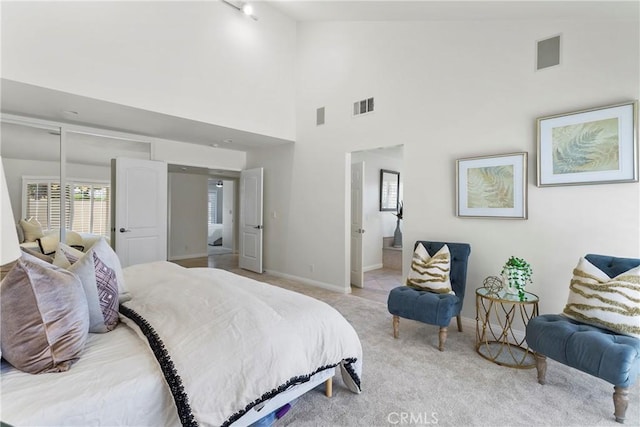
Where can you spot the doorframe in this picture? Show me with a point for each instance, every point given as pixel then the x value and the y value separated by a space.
pixel 362 165
pixel 347 219
pixel 236 206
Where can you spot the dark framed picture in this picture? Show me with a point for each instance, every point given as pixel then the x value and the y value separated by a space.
pixel 389 190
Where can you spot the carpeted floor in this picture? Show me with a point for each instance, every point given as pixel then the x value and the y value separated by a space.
pixel 410 378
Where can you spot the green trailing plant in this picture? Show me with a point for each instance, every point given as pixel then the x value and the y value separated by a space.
pixel 517 273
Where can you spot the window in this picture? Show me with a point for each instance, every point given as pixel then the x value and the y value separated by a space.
pixel 87 204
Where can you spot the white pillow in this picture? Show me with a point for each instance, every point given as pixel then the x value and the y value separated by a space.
pixel 32 229
pixel 97 272
pixel 66 256
pixel 49 242
pixel 608 303
pixel 430 273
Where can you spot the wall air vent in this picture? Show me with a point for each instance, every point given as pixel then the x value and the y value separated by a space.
pixel 362 107
pixel 548 53
pixel 320 116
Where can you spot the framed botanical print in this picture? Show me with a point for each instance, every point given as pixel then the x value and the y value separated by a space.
pixel 595 146
pixel 492 186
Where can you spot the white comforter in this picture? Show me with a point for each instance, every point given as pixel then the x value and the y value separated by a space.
pixel 115 382
pixel 234 340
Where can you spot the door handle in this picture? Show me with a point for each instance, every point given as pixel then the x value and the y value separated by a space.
pixel 258 227
pixel 124 230
pixel 361 230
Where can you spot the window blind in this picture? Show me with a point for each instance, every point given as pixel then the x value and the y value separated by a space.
pixel 87 205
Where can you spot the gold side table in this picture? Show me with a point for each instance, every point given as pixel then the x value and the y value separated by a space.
pixel 495 340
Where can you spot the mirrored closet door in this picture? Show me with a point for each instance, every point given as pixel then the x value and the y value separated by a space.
pixel 59 179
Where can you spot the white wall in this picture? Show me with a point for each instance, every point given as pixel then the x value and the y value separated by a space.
pixel 198 60
pixel 376 224
pixel 188 228
pixel 279 166
pixel 182 153
pixel 444 90
pixel 447 90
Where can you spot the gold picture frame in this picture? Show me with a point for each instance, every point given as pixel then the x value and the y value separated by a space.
pixel 492 186
pixel 594 146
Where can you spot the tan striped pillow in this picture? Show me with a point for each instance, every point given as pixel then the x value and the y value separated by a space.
pixel 599 300
pixel 430 273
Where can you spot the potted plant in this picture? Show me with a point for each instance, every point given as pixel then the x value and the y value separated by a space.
pixel 397 235
pixel 516 273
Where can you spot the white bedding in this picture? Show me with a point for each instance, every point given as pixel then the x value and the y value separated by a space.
pixel 215 233
pixel 233 340
pixel 115 382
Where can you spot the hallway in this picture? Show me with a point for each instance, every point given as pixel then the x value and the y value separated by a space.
pixel 378 283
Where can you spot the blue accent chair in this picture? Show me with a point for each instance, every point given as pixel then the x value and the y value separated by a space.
pixel 604 354
pixel 430 307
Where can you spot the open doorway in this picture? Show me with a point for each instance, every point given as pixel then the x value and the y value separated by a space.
pixel 220 208
pixel 380 261
pixel 203 212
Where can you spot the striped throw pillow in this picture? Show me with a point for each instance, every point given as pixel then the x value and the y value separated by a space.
pixel 599 300
pixel 430 273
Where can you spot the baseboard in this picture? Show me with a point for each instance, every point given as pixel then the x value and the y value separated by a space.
pixel 309 282
pixel 181 257
pixel 372 267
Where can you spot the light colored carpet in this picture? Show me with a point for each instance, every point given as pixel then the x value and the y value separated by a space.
pixel 456 387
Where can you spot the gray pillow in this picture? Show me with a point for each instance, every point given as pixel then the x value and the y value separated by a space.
pixel 38 255
pixel 44 317
pixel 97 271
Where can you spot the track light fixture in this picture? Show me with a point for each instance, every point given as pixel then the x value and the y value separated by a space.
pixel 243 7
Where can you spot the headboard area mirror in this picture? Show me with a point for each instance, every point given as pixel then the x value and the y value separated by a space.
pixel 389 190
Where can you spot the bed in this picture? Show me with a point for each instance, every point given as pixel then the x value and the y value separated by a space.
pixel 196 346
pixel 215 234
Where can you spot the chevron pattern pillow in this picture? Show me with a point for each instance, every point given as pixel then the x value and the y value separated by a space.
pixel 608 303
pixel 430 273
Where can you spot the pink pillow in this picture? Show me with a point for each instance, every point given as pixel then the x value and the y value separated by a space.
pixel 44 317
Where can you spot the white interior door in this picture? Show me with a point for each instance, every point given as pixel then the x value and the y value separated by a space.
pixel 357 221
pixel 139 226
pixel 251 220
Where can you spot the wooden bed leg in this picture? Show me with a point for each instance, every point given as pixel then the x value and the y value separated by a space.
pixel 459 323
pixel 442 337
pixel 328 387
pixel 541 367
pixel 396 326
pixel 620 402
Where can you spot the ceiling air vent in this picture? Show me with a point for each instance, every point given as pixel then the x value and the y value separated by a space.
pixel 362 107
